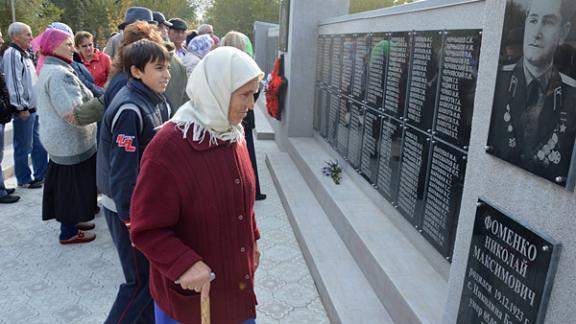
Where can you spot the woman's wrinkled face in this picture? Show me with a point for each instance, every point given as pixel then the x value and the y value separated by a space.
pixel 66 49
pixel 241 101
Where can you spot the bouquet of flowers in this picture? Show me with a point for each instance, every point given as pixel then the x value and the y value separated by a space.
pixel 333 170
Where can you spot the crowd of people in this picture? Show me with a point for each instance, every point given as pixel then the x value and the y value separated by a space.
pixel 159 125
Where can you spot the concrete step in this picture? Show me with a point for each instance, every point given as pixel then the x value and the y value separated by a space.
pixel 346 294
pixel 263 130
pixel 8 162
pixel 8 159
pixel 408 276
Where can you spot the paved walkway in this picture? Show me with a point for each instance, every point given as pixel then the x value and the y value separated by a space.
pixel 42 281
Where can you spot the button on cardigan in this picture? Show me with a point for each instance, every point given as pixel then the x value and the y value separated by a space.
pixel 190 204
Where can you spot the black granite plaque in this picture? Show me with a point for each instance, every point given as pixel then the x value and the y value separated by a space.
pixel 443 196
pixel 343 126
pixel 321 111
pixel 424 75
pixel 510 271
pixel 336 62
pixel 347 64
pixel 320 44
pixel 458 86
pixel 389 162
pixel 333 107
pixel 326 56
pixel 355 136
pixel 533 123
pixel 415 147
pixel 284 25
pixel 361 42
pixel 397 74
pixel 377 61
pixel 371 136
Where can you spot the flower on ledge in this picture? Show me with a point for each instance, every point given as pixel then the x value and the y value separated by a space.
pixel 333 170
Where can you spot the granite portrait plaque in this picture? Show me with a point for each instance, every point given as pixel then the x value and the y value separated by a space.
pixel 510 271
pixel 397 73
pixel 389 162
pixel 371 136
pixel 414 162
pixel 361 51
pixel 355 133
pixel 424 75
pixel 533 124
pixel 443 196
pixel 460 59
pixel 377 62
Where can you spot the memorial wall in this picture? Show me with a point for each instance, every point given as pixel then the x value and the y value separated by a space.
pixel 398 107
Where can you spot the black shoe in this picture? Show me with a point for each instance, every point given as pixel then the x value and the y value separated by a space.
pixel 10 191
pixel 260 196
pixel 9 199
pixel 31 185
pixel 41 181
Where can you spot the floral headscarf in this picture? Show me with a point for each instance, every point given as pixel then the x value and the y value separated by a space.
pixel 200 45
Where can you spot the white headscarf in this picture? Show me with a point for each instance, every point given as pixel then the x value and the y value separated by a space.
pixel 210 87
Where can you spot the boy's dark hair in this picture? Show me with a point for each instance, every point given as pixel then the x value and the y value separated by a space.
pixel 142 52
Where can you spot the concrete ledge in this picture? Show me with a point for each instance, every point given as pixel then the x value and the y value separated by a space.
pixel 404 279
pixel 8 157
pixel 263 130
pixel 345 292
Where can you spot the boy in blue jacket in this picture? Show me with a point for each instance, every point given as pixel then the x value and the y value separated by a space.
pixel 128 125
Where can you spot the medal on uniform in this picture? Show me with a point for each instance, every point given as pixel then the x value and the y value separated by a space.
pixel 512 142
pixel 510 128
pixel 507 115
pixel 541 155
pixel 555 157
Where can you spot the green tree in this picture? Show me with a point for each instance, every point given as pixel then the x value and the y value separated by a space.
pixel 364 5
pixel 35 13
pixel 240 15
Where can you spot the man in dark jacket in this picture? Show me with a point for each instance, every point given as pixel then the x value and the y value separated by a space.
pixel 128 125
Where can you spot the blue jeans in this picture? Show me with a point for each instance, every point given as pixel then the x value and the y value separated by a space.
pixel 2 187
pixel 27 141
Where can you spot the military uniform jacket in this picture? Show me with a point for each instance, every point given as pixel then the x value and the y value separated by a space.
pixel 549 152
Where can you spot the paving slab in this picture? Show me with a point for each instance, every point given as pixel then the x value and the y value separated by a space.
pixel 42 281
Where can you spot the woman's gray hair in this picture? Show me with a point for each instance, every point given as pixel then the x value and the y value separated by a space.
pixel 235 39
pixel 17 28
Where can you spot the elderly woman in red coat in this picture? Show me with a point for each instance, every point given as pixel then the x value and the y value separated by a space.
pixel 192 209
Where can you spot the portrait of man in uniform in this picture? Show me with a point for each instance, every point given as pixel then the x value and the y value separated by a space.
pixel 533 117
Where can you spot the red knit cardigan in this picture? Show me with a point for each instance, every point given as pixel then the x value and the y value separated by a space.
pixel 195 202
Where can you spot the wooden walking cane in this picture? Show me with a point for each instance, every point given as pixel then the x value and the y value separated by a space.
pixel 205 310
pixel 205 305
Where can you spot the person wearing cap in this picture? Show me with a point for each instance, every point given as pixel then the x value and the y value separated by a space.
pixel 163 24
pixel 177 35
pixel 133 14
